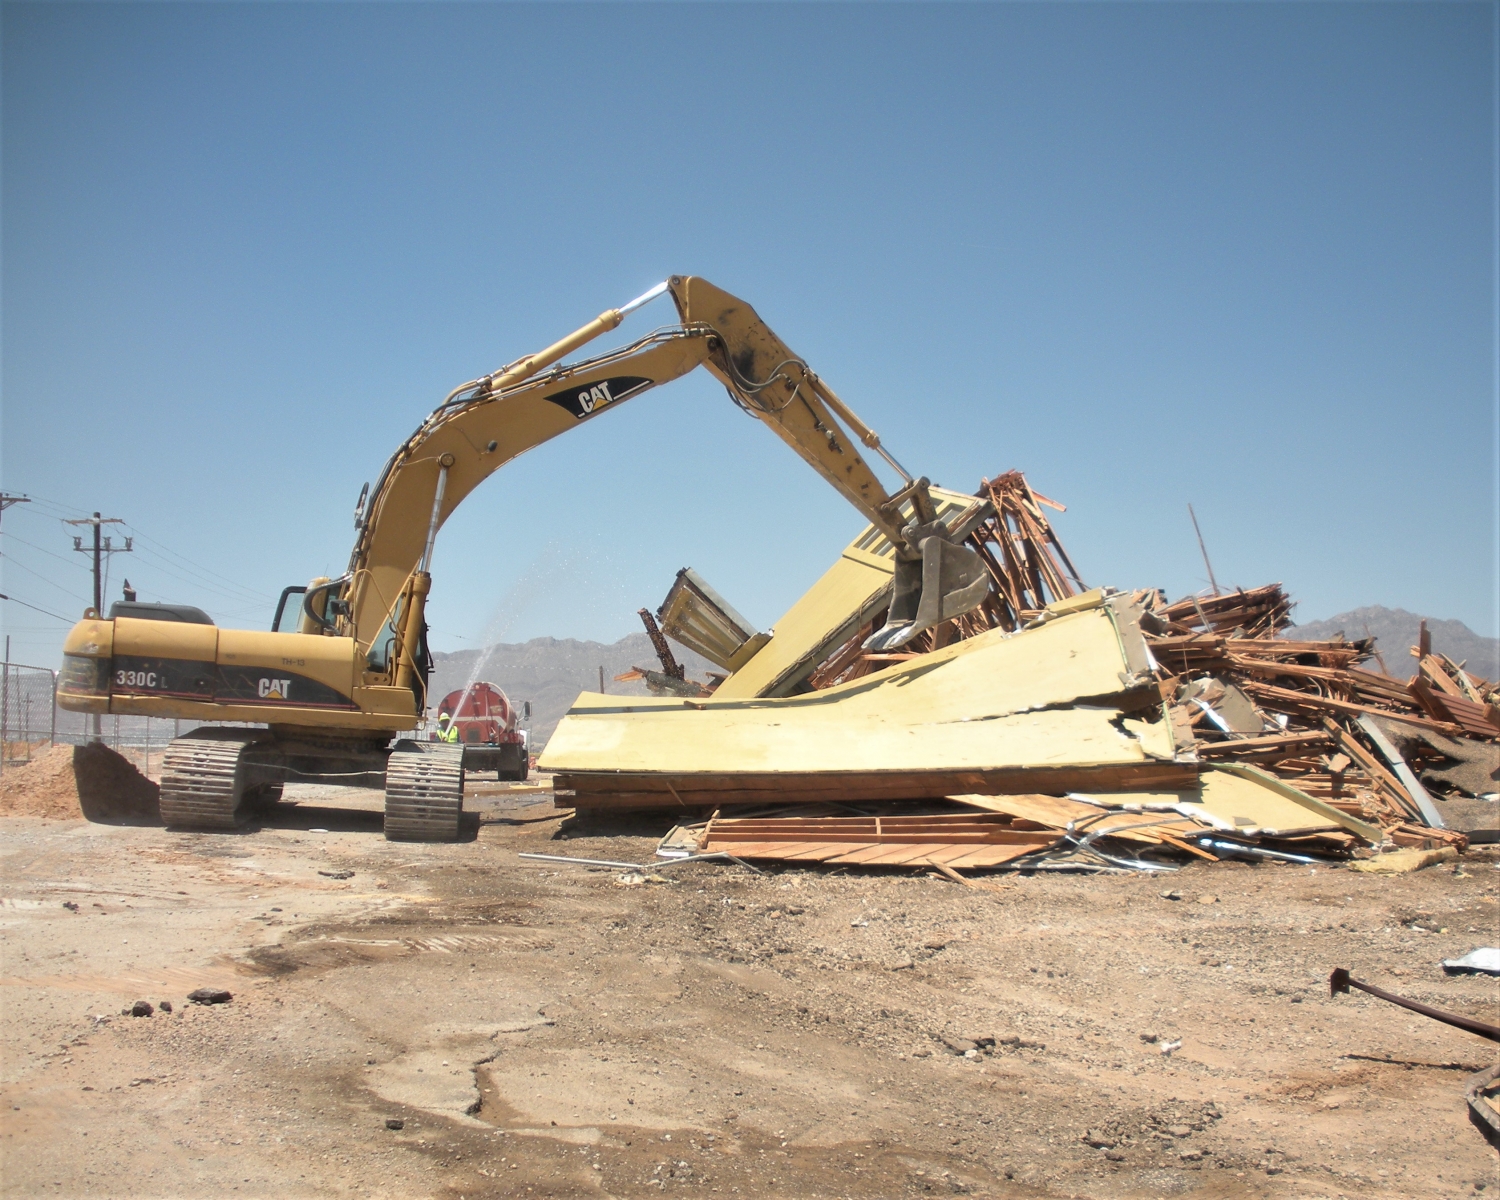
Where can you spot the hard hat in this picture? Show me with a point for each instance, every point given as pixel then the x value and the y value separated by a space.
pixel 444 717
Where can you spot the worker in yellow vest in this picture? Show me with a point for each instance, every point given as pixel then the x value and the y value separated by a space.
pixel 447 730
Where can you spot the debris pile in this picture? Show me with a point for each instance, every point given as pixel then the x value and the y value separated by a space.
pixel 1232 812
pixel 1067 705
pixel 1028 570
pixel 1051 727
pixel 91 780
pixel 1313 715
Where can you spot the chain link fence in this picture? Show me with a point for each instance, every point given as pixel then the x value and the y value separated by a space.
pixel 31 721
pixel 28 711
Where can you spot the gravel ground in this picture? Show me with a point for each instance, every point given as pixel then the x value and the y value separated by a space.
pixel 546 1030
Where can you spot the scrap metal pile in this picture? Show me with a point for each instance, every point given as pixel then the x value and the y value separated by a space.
pixel 1052 727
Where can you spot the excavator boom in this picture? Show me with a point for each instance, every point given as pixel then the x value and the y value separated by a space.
pixel 355 672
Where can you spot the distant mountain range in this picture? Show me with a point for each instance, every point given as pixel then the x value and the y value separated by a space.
pixel 550 672
pixel 1395 631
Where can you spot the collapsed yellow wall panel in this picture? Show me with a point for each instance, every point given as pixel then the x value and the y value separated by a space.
pixel 997 700
pixel 846 589
pixel 1251 800
pixel 724 742
pixel 829 612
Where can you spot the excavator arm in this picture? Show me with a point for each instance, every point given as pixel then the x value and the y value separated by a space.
pixel 456 449
pixel 766 379
pixel 487 422
pixel 324 702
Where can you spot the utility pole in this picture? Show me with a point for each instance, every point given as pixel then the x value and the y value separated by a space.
pixel 100 548
pixel 6 500
pixel 5 705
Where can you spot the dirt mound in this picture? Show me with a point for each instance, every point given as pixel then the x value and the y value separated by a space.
pixel 44 787
pixel 110 787
pixel 68 781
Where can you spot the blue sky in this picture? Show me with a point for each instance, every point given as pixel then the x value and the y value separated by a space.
pixel 1240 256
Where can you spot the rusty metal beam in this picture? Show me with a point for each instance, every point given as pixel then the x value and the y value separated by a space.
pixel 1341 981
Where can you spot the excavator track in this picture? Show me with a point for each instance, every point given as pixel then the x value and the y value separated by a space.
pixel 203 779
pixel 424 792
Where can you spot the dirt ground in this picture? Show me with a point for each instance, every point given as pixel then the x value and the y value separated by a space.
pixel 541 1030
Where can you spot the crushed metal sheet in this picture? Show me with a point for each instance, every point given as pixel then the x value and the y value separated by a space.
pixel 1484 961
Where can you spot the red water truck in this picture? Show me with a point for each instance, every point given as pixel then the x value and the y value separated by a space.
pixel 486 723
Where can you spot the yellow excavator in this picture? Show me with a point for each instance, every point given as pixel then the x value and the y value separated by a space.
pixel 329 700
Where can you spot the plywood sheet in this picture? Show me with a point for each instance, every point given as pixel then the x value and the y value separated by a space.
pixel 1251 800
pixel 952 839
pixel 1057 811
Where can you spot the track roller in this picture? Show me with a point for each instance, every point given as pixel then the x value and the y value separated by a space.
pixel 203 778
pixel 424 792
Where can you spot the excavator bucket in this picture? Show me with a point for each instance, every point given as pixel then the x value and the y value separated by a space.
pixel 946 581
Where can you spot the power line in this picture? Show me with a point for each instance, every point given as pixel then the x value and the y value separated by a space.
pixel 231 598
pixel 241 596
pixel 11 562
pixel 34 608
pixel 241 602
pixel 183 560
pixel 51 508
pixel 165 559
pixel 43 550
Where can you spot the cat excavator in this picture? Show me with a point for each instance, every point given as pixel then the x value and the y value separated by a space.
pixel 330 700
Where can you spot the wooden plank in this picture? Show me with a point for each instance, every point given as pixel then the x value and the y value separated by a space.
pixel 1432 671
pixel 972 830
pixel 874 851
pixel 881 855
pixel 958 821
pixel 1188 846
pixel 1345 652
pixel 1364 682
pixel 801 852
pixel 993 857
pixel 949 872
pixel 1305 701
pixel 1373 767
pixel 597 790
pixel 860 827
pixel 878 855
pixel 1408 778
pixel 1290 743
pixel 809 851
pixel 969 839
pixel 913 838
pixel 1477 719
pixel 1055 811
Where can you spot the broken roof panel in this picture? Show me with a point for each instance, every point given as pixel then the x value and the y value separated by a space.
pixel 845 598
pixel 1051 699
